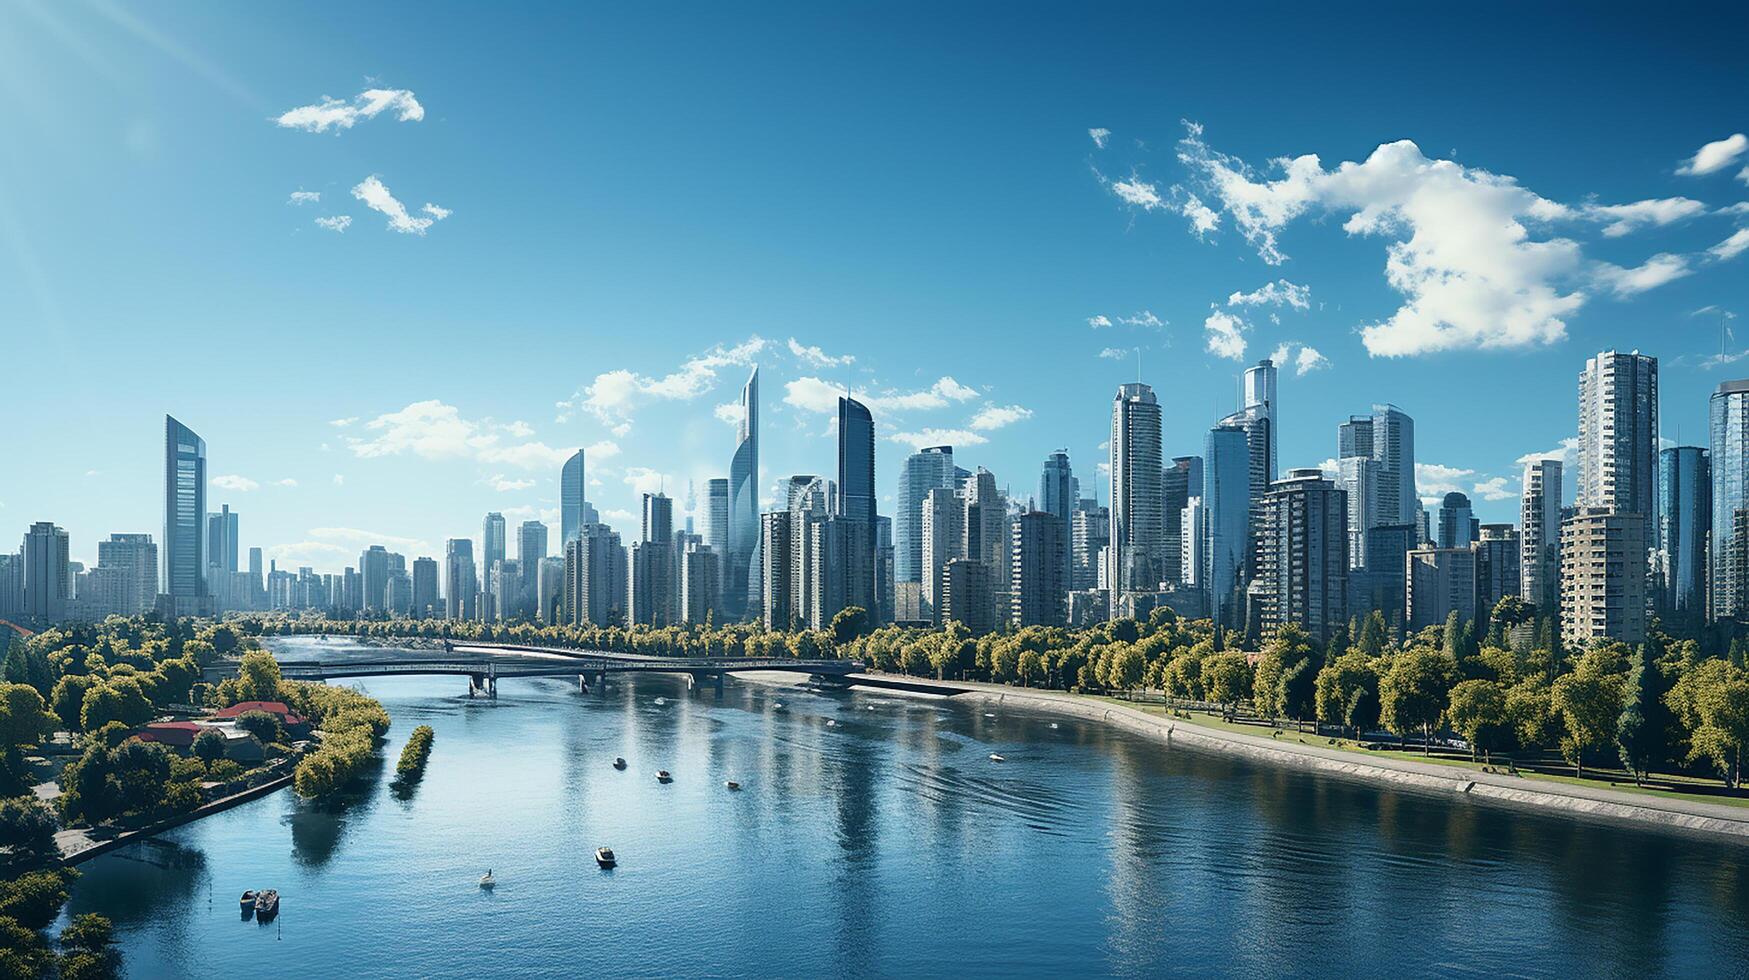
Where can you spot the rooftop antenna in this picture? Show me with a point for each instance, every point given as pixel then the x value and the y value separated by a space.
pixel 1138 365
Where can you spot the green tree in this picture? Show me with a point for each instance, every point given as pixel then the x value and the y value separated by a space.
pixel 1226 678
pixel 27 832
pixel 1124 670
pixel 88 949
pixel 25 719
pixel 1642 729
pixel 1347 692
pixel 1712 702
pixel 35 898
pixel 850 623
pixel 1478 712
pixel 261 725
pixel 22 951
pixel 67 697
pixel 116 700
pixel 209 745
pixel 142 769
pixel 1589 704
pixel 258 677
pixel 1286 681
pixel 1413 692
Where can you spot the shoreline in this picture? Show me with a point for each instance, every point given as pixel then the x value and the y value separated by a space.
pixel 96 848
pixel 1426 778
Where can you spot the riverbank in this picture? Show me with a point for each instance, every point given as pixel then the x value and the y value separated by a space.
pixel 1425 777
pixel 78 845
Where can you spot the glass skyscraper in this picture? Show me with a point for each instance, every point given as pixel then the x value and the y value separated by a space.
pixel 926 470
pixel 1137 522
pixel 1226 503
pixel 741 574
pixel 572 490
pixel 184 515
pixel 1728 424
pixel 1685 511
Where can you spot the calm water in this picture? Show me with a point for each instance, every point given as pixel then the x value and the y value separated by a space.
pixel 887 844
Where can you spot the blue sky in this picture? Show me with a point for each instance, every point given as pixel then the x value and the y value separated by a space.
pixel 632 204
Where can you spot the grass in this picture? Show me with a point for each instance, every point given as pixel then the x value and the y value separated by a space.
pixel 1671 787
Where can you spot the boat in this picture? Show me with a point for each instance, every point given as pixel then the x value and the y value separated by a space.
pixel 248 899
pixel 487 881
pixel 830 723
pixel 1053 724
pixel 267 904
pixel 619 763
pixel 996 758
pixel 732 784
pixel 663 777
pixel 661 700
pixel 604 857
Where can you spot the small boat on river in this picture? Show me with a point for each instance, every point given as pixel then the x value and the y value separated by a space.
pixel 604 857
pixel 619 764
pixel 663 777
pixel 487 881
pixel 266 904
pixel 732 784
pixel 996 758
pixel 248 899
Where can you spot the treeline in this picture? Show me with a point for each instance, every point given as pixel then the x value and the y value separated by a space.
pixel 414 754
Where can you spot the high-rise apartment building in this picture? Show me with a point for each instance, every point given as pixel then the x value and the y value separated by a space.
pixel 595 578
pixel 461 580
pixel 1137 520
pixel 1603 576
pixel 926 470
pixel 425 602
pixel 1226 502
pixel 1539 565
pixel 1439 582
pixel 1181 481
pixel 47 585
pixel 135 559
pixel 221 542
pixel 943 534
pixel 1618 437
pixel 1498 573
pixel 1303 554
pixel 1728 552
pixel 1037 588
pixel 492 554
pixel 1458 527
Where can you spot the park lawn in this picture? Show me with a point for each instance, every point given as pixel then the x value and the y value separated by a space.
pixel 1614 779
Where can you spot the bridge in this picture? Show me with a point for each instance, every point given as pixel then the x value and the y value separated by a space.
pixel 591 667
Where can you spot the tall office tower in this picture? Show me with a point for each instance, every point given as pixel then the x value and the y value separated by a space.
pixel 776 566
pixel 1257 393
pixel 1427 539
pixel 1056 487
pixel 425 603
pixel 1618 437
pixel 741 571
pixel 573 488
pixel 658 519
pixel 1037 590
pixel 1137 530
pixel 595 578
pixel 985 525
pixel 883 569
pixel 12 585
pixel 1226 501
pixel 221 541
pixel 398 594
pixel 1379 585
pixel 700 589
pixel 654 570
pixel 1181 481
pixel 1728 554
pixel 256 576
pixel 943 536
pixel 1498 574
pixel 967 597
pixel 1457 523
pixel 184 517
pixel 1303 555
pixel 350 597
pixel 1393 454
pixel 531 550
pixel 1685 519
pixel 1089 533
pixel 550 589
pixel 505 584
pixel 1357 476
pixel 46 587
pixel 135 557
pixel 716 523
pixel 493 540
pixel 1192 541
pixel 856 499
pixel 1539 564
pixel 835 569
pixel 373 568
pixel 1438 582
pixel 461 582
pixel 926 470
pixel 1603 576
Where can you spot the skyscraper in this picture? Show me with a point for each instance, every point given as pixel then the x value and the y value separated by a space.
pixel 1057 494
pixel 573 488
pixel 741 573
pixel 492 554
pixel 943 528
pixel 1728 554
pixel 1226 503
pixel 461 581
pixel 595 578
pixel 221 542
pixel 184 517
pixel 1037 586
pixel 1498 573
pixel 47 589
pixel 1457 523
pixel 374 567
pixel 1685 510
pixel 425 601
pixel 135 558
pixel 716 523
pixel 1181 481
pixel 1603 576
pixel 1393 453
pixel 1257 394
pixel 1137 523
pixel 856 464
pixel 925 470
pixel 1303 554
pixel 531 550
pixel 1539 564
pixel 1618 437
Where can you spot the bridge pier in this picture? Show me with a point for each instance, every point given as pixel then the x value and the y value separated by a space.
pixel 484 685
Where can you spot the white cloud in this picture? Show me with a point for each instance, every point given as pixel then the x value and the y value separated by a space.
pixel 596 451
pixel 1567 452
pixel 304 197
pixel 375 194
pixel 1278 293
pixel 435 430
pixel 1654 212
pixel 728 413
pixel 1436 478
pixel 436 212
pixel 231 481
pixel 614 395
pixel 996 416
pixel 1225 334
pixel 1116 353
pixel 814 395
pixel 1460 252
pixel 1309 360
pixel 1731 247
pixel 1146 318
pixel 1494 488
pixel 287 482
pixel 504 485
pixel 1101 320
pixel 1100 136
pixel 1329 467
pixel 1138 193
pixel 1657 270
pixel 342 423
pixel 938 437
pixel 336 223
pixel 620 516
pixel 1715 156
pixel 642 479
pixel 338 115
pixel 816 357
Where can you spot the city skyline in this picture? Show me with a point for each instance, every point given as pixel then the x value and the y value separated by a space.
pixel 1001 355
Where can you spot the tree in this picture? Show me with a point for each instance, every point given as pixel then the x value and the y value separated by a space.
pixel 1641 731
pixel 258 677
pixel 850 623
pixel 1478 712
pixel 1412 694
pixel 27 832
pixel 68 696
pixel 1712 701
pixel 261 725
pixel 24 718
pixel 88 949
pixel 1347 692
pixel 1589 704
pixel 142 769
pixel 35 898
pixel 209 745
pixel 22 952
pixel 1124 670
pixel 116 700
pixel 1286 681
pixel 1226 678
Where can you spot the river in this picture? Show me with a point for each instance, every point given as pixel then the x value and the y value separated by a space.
pixel 874 837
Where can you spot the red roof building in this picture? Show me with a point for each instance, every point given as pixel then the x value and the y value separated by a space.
pixel 177 733
pixel 278 709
